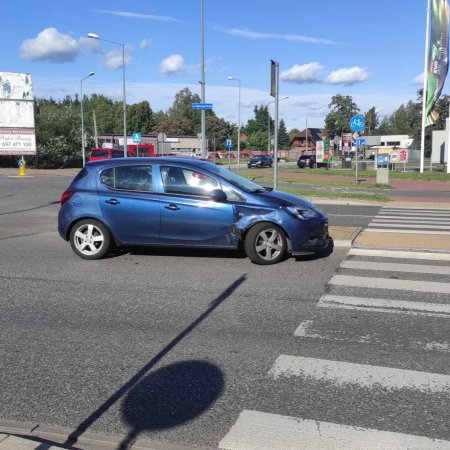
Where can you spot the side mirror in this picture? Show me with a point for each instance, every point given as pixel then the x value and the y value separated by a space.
pixel 218 196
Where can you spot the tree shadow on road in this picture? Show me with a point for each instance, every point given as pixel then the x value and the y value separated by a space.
pixel 210 381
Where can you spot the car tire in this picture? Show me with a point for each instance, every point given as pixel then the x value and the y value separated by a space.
pixel 90 239
pixel 266 244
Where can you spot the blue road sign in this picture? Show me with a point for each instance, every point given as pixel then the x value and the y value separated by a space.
pixel 229 144
pixel 202 106
pixel 20 163
pixel 382 160
pixel 137 138
pixel 354 142
pixel 357 123
pixel 361 142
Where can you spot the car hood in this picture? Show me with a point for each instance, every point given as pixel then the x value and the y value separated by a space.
pixel 286 199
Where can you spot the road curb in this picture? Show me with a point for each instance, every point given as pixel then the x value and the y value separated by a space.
pixel 19 435
pixel 343 237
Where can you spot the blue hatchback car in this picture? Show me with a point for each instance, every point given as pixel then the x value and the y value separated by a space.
pixel 185 202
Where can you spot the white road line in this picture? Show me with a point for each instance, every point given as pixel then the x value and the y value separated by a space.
pixel 410 220
pixel 400 254
pixel 393 267
pixel 407 210
pixel 342 374
pixel 385 305
pixel 256 430
pixel 394 230
pixel 309 329
pixel 407 225
pixel 389 283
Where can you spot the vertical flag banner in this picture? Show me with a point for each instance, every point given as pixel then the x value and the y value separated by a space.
pixel 437 57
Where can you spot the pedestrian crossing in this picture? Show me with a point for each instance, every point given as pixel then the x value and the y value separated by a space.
pixel 404 286
pixel 411 220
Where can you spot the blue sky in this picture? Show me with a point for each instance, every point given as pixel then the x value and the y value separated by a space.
pixel 370 49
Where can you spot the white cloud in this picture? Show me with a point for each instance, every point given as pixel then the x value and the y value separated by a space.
pixel 89 44
pixel 114 58
pixel 347 76
pixel 419 79
pixel 286 37
pixel 304 73
pixel 145 43
pixel 50 45
pixel 132 15
pixel 172 65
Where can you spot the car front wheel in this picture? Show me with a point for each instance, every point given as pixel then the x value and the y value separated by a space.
pixel 266 244
pixel 90 239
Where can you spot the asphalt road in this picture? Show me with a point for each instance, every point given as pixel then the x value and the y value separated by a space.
pixel 174 345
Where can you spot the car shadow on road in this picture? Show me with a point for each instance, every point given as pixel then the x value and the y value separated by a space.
pixel 162 389
pixel 188 252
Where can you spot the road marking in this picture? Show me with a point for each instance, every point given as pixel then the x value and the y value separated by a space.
pixel 407 225
pixel 385 305
pixel 407 210
pixel 342 374
pixel 391 219
pixel 400 254
pixel 308 329
pixel 389 283
pixel 418 232
pixel 393 267
pixel 256 430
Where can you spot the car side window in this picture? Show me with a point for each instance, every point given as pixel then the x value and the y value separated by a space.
pixel 232 195
pixel 180 180
pixel 130 178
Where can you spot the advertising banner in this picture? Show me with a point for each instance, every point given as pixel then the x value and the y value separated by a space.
pixel 346 142
pixel 17 141
pixel 319 151
pixel 437 57
pixel 17 133
pixel 328 151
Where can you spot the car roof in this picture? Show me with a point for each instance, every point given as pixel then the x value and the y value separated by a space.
pixel 193 162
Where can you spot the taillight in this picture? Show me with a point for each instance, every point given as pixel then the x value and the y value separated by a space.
pixel 66 195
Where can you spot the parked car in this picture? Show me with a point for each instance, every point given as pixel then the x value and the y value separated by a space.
pixel 104 153
pixel 259 161
pixel 187 203
pixel 309 161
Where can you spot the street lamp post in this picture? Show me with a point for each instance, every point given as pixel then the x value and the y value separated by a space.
pixel 268 121
pixel 83 143
pixel 239 121
pixel 202 52
pixel 96 36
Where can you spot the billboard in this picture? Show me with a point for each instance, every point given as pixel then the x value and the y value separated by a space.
pixel 17 133
pixel 437 64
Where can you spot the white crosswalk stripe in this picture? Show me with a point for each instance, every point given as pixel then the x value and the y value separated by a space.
pixel 255 430
pixel 411 220
pixel 400 283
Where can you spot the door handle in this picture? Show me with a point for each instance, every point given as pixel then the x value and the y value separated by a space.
pixel 112 201
pixel 172 207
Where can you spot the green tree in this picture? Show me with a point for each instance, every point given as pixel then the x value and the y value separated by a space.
pixel 175 126
pixel 218 129
pixel 342 110
pixel 371 120
pixel 140 117
pixel 257 140
pixel 294 132
pixel 260 122
pixel 283 137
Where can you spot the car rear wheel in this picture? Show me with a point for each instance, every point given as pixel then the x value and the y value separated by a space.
pixel 90 239
pixel 266 244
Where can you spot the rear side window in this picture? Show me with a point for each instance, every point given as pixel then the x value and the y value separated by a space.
pixel 129 178
pixel 99 153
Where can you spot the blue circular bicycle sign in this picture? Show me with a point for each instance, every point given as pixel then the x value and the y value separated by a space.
pixel 357 123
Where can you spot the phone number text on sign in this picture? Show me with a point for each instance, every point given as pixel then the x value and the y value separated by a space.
pixel 16 141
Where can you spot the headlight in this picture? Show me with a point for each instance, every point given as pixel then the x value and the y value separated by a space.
pixel 302 213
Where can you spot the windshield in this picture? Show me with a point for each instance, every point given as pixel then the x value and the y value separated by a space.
pixel 238 181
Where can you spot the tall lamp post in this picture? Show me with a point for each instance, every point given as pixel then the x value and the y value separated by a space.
pixel 83 143
pixel 239 121
pixel 268 121
pixel 202 53
pixel 96 36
